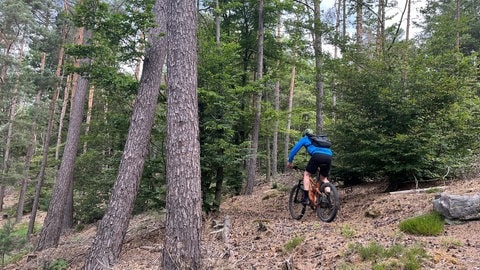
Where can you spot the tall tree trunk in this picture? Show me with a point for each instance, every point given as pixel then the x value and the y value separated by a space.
pixel 407 30
pixel 113 227
pixel 23 189
pixel 89 115
pixel 13 105
pixel 30 149
pixel 344 19
pixel 183 201
pixel 219 175
pixel 380 26
pixel 257 98
pixel 63 113
pixel 217 22
pixel 338 8
pixel 317 46
pixel 407 38
pixel 48 132
pixel 276 105
pixel 359 23
pixel 268 166
pixel 52 226
pixel 457 21
pixel 289 118
pixel 67 222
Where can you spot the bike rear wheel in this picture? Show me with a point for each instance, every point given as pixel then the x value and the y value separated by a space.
pixel 328 203
pixel 295 206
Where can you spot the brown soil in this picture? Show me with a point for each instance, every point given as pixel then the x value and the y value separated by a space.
pixel 261 226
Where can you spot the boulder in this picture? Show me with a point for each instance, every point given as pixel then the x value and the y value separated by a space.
pixel 461 207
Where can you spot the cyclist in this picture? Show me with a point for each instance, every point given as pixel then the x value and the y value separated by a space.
pixel 319 157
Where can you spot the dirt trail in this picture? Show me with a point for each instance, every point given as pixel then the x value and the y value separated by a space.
pixel 261 226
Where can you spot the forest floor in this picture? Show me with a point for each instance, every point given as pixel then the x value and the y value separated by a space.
pixel 261 227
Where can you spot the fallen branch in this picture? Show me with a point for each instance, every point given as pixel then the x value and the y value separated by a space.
pixel 420 190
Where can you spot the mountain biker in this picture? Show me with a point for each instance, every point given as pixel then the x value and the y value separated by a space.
pixel 319 157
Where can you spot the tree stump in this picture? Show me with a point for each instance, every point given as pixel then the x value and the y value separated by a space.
pixel 461 207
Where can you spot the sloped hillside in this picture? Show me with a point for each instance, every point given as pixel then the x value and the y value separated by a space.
pixel 260 229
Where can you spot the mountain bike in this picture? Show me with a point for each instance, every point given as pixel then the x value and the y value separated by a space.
pixel 326 204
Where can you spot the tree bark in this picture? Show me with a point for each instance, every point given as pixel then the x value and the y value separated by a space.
pixel 359 23
pixel 52 227
pixel 257 98
pixel 113 227
pixel 457 20
pixel 66 96
pixel 289 118
pixel 317 46
pixel 89 115
pixel 183 200
pixel 380 26
pixel 276 106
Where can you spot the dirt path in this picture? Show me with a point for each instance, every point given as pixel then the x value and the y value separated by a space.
pixel 261 226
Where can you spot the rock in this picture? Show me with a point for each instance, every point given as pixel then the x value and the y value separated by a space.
pixel 461 207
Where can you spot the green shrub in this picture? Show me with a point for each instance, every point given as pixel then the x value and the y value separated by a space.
pixel 371 252
pixel 394 257
pixel 429 224
pixel 290 245
pixel 9 241
pixel 58 264
pixel 347 231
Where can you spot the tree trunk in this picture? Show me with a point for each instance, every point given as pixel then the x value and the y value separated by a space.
pixel 48 133
pixel 457 21
pixel 89 115
pixel 52 227
pixel 13 105
pixel 289 118
pixel 344 18
pixel 219 175
pixel 183 201
pixel 30 149
pixel 276 106
pixel 217 23
pixel 113 227
pixel 46 140
pixel 63 112
pixel 257 98
pixel 67 222
pixel 380 26
pixel 338 8
pixel 359 22
pixel 317 46
pixel 23 189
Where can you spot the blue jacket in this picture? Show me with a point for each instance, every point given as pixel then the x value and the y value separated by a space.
pixel 311 149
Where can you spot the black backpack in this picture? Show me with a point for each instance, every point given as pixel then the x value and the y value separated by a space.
pixel 320 141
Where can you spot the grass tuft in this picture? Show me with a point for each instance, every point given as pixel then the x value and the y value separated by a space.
pixel 430 224
pixel 347 231
pixel 292 244
pixel 393 257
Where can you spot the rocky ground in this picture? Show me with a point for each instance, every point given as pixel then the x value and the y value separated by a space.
pixel 261 226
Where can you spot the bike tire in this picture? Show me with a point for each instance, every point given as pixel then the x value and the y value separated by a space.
pixel 295 206
pixel 329 203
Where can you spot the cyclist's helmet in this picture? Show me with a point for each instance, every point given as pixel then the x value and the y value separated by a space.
pixel 308 131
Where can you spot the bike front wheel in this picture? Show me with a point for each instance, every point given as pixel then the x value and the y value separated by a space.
pixel 328 203
pixel 295 206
